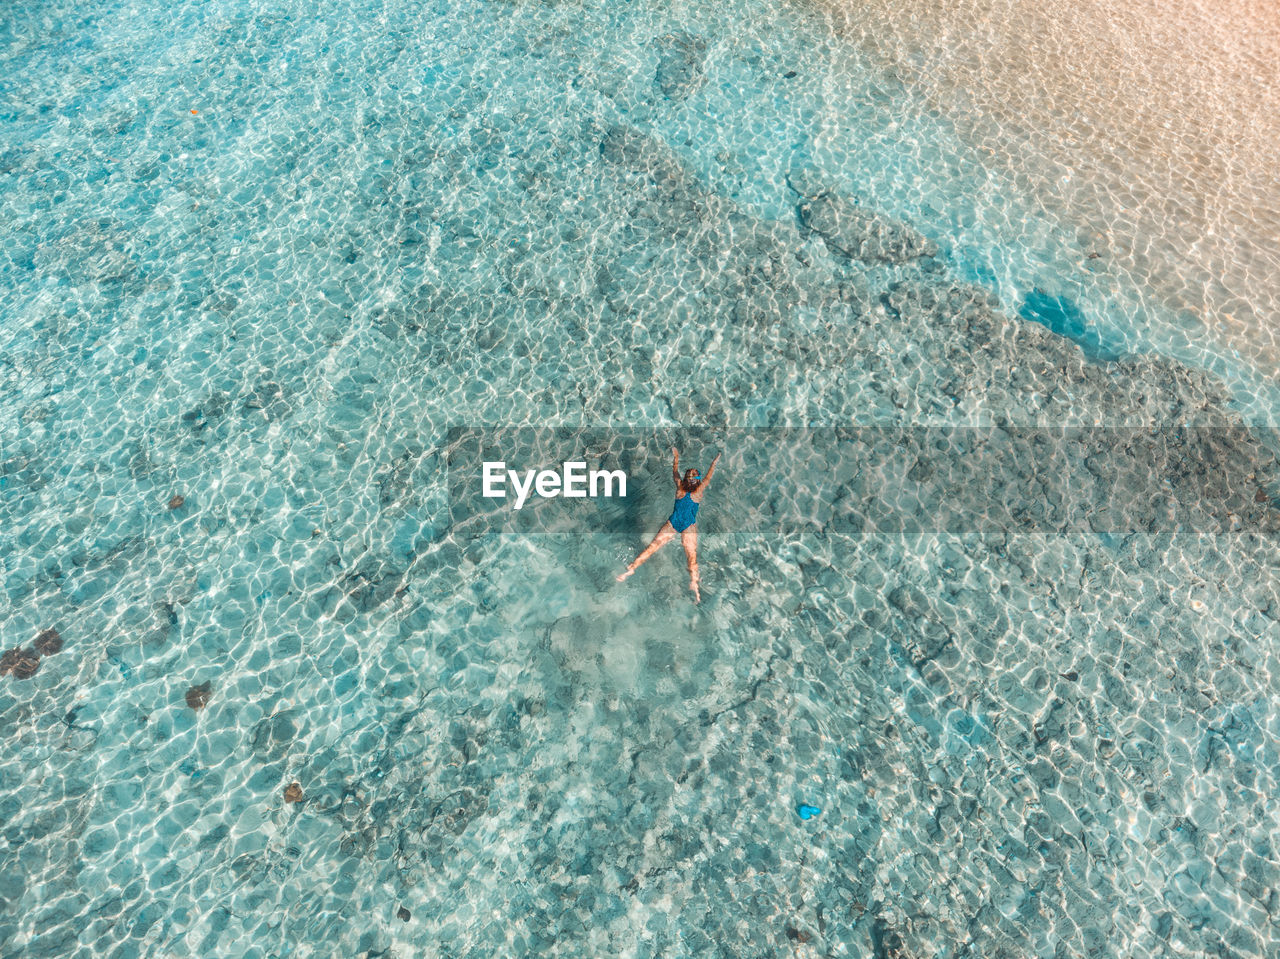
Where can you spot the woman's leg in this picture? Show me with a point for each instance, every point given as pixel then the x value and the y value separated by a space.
pixel 664 534
pixel 689 540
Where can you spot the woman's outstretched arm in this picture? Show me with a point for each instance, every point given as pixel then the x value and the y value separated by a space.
pixel 710 471
pixel 675 467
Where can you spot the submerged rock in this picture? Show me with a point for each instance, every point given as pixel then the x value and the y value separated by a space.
pixel 886 943
pixel 859 234
pixel 48 642
pixel 293 793
pixel 807 181
pixel 370 584
pixel 25 663
pixel 9 660
pixel 680 64
pixel 208 413
pixel 198 696
pixel 267 396
pixel 638 153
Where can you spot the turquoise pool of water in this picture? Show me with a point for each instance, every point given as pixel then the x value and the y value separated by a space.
pixel 259 258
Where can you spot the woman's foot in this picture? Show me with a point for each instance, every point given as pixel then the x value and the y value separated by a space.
pixel 624 574
pixel 697 596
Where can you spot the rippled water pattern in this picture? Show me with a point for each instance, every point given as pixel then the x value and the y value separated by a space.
pixel 257 259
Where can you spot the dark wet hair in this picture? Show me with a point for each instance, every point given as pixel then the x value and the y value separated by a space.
pixel 690 481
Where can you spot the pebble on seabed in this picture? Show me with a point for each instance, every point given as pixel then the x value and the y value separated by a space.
pixel 177 500
pixel 402 914
pixel 198 696
pixel 293 793
pixel 48 642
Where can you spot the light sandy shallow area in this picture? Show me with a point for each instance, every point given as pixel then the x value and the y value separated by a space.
pixel 1155 126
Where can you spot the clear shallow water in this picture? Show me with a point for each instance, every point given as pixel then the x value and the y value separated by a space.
pixel 398 218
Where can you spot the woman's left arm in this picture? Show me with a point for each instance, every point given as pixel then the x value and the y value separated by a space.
pixel 710 472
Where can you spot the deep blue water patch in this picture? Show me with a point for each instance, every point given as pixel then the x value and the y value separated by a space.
pixel 1064 317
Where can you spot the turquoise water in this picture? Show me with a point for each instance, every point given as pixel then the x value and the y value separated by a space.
pixel 262 258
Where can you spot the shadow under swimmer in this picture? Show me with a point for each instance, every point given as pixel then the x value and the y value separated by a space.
pixel 572 481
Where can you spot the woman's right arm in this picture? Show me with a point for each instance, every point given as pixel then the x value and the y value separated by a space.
pixel 675 467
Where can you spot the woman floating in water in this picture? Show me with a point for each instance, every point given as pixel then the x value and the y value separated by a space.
pixel 684 520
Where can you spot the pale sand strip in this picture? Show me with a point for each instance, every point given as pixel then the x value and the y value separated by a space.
pixel 1155 124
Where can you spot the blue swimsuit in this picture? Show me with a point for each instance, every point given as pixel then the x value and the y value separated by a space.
pixel 685 513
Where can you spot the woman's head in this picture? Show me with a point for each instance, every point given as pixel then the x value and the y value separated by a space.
pixel 690 481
